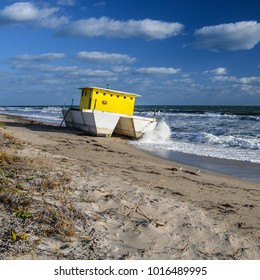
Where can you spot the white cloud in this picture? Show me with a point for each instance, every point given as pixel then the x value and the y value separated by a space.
pixel 224 79
pixel 242 35
pixel 40 57
pixel 157 71
pixel 250 80
pixel 217 71
pixel 220 71
pixel 103 57
pixel 49 17
pixel 53 22
pixel 23 12
pixel 236 80
pixel 147 28
pixel 121 69
pixel 69 72
pixel 19 12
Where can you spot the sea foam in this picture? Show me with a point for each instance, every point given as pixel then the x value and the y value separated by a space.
pixel 161 135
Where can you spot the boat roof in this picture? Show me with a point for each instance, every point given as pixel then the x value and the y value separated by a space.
pixel 112 90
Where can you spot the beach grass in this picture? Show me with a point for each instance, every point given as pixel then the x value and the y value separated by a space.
pixel 25 184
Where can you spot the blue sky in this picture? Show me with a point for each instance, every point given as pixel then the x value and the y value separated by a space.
pixel 172 52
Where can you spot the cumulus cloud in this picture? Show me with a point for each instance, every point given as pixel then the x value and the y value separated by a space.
pixel 220 71
pixel 19 12
pixel 23 12
pixel 217 71
pixel 103 57
pixel 147 28
pixel 157 71
pixel 250 80
pixel 49 17
pixel 232 79
pixel 242 35
pixel 53 22
pixel 64 71
pixel 224 79
pixel 40 57
pixel 248 85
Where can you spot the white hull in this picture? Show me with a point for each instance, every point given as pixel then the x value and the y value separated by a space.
pixel 104 124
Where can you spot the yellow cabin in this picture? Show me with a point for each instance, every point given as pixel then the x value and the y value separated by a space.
pixel 94 98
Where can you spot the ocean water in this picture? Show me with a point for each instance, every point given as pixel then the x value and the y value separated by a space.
pixel 215 132
pixel 51 114
pixel 223 139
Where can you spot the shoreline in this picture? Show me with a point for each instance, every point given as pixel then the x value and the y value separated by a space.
pixel 102 198
pixel 218 166
pixel 234 168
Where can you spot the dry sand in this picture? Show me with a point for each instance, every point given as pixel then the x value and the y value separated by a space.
pixel 72 196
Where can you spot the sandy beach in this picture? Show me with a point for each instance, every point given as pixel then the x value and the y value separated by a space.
pixel 65 195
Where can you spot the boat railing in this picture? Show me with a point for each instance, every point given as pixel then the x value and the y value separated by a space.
pixel 71 107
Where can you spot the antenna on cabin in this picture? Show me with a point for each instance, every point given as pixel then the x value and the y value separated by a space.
pixel 107 86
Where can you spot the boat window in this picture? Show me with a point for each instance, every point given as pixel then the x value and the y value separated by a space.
pixel 111 95
pixel 96 92
pixel 131 98
pixel 117 96
pixel 104 94
pixel 124 97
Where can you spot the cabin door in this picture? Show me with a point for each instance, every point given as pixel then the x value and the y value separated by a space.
pixel 90 99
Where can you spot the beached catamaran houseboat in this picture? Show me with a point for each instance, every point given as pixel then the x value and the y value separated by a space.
pixel 103 112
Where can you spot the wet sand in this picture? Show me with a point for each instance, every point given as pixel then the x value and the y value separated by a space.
pixel 101 198
pixel 236 168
